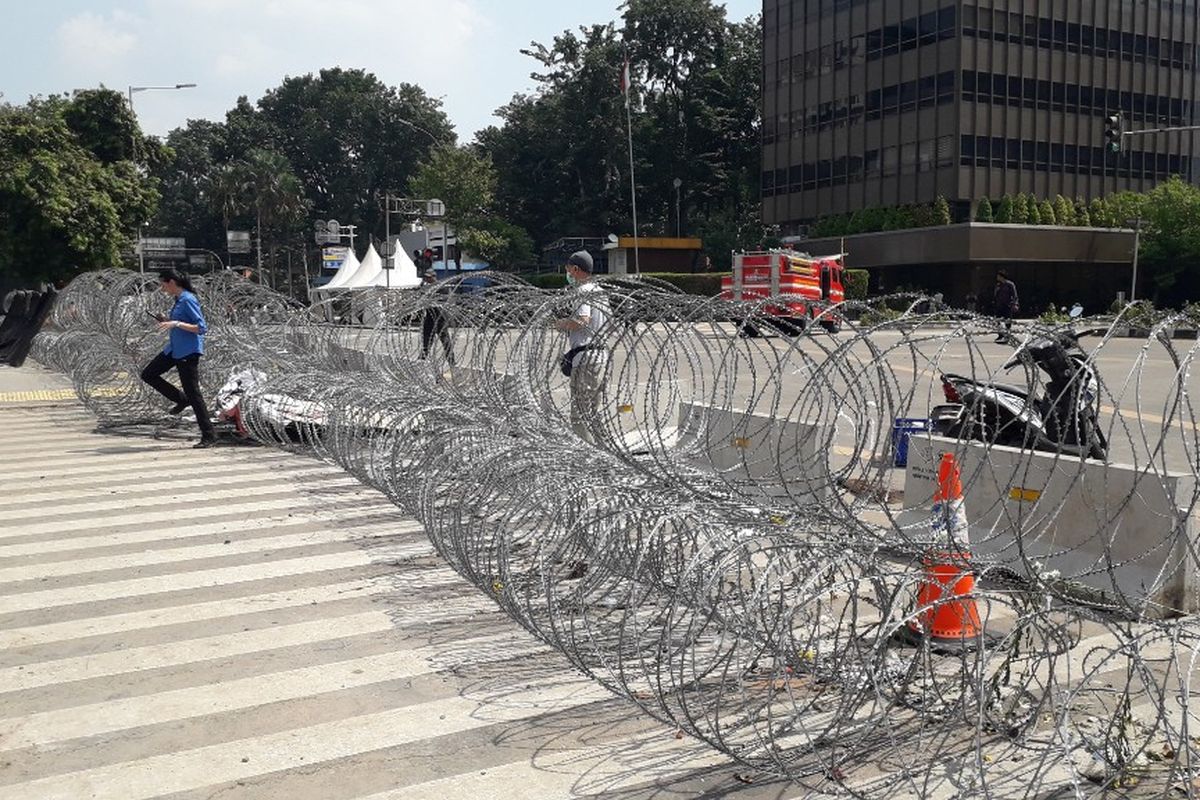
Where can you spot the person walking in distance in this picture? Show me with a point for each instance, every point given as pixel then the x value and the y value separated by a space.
pixel 1004 300
pixel 184 348
pixel 586 362
pixel 434 322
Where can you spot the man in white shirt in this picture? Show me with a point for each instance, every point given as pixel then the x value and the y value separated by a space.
pixel 586 360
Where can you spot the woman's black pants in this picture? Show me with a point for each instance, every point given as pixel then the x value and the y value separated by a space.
pixel 189 376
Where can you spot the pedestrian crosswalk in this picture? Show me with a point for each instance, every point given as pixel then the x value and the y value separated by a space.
pixel 248 623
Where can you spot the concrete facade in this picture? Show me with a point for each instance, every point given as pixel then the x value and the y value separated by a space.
pixel 1049 264
pixel 886 102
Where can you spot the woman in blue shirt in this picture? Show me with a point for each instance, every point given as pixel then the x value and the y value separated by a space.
pixel 183 351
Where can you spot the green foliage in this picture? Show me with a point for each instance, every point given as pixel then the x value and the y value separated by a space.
pixel 1035 214
pixel 466 182
pixel 348 136
pixel 1046 213
pixel 345 136
pixel 983 212
pixel 1099 212
pixel 1064 211
pixel 103 123
pixel 832 225
pixel 870 220
pixel 1052 316
pixel 704 284
pixel 1123 207
pixel 855 282
pixel 1020 213
pixel 877 315
pixel 1083 217
pixel 1004 213
pixel 941 211
pixel 1171 237
pixel 1138 314
pixel 69 199
pixel 548 280
pixel 460 178
pixel 274 193
pixel 731 227
pixel 503 245
pixel 560 152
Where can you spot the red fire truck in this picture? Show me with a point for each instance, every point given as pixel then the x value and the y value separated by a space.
pixel 803 284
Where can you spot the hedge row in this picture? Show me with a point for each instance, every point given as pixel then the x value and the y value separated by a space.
pixel 707 284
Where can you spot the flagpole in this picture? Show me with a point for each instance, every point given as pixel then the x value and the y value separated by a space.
pixel 637 267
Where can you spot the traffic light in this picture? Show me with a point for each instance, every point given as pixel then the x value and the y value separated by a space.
pixel 1112 133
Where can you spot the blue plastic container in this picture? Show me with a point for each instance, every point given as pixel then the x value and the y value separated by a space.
pixel 903 428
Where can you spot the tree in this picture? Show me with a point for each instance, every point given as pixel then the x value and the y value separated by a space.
pixel 1171 236
pixel 1098 211
pixel 195 202
pixel 501 244
pixel 941 211
pixel 465 181
pixel 69 197
pixel 1035 213
pixel 561 153
pixel 276 196
pixel 983 212
pixel 1064 211
pixel 1004 213
pixel 1046 214
pixel 1082 218
pixel 348 137
pixel 1020 212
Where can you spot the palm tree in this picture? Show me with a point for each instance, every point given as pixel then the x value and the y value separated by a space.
pixel 275 192
pixel 228 191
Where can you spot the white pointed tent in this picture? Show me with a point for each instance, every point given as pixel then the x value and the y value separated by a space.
pixel 344 274
pixel 370 269
pixel 402 275
pixel 404 271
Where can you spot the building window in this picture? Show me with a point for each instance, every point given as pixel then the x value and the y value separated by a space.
pixel 890 161
pixel 945 151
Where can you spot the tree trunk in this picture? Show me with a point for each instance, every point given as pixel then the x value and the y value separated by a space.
pixel 259 237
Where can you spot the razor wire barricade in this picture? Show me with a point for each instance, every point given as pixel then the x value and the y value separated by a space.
pixel 731 546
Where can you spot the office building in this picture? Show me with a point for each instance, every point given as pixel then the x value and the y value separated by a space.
pixel 870 103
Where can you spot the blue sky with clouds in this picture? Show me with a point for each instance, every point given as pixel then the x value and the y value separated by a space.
pixel 464 51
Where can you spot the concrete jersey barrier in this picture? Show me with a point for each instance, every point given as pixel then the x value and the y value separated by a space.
pixel 1115 529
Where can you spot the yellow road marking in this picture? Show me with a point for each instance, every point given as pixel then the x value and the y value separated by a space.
pixel 45 395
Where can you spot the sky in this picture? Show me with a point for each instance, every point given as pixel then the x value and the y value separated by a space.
pixel 465 52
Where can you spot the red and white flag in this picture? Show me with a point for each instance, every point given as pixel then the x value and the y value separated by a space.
pixel 625 80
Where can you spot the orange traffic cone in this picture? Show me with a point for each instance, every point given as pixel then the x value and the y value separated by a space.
pixel 947 621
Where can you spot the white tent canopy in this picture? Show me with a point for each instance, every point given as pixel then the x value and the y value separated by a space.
pixel 370 270
pixel 402 275
pixel 345 273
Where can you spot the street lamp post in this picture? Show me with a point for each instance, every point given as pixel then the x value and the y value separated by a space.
pixel 133 149
pixel 677 182
pixel 1136 223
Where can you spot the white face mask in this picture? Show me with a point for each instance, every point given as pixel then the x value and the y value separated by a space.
pixel 571 281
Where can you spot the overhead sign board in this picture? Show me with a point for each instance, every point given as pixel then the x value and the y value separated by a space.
pixel 163 244
pixel 237 241
pixel 332 257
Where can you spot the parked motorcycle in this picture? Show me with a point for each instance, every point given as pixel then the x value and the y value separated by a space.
pixel 1058 415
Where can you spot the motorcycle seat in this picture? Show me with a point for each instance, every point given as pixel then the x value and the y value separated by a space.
pixel 1020 391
